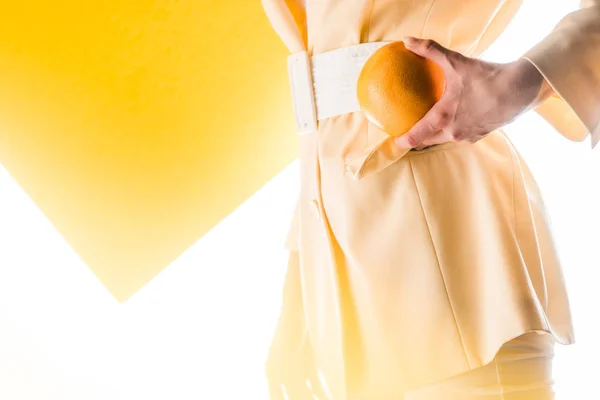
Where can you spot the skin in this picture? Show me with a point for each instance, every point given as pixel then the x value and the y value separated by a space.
pixel 479 97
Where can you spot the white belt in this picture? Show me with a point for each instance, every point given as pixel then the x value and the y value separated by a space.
pixel 324 85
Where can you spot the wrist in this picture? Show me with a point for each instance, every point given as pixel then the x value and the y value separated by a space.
pixel 530 82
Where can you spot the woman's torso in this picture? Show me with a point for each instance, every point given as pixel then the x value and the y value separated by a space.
pixel 428 263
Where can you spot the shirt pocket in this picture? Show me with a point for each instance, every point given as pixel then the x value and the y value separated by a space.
pixel 379 153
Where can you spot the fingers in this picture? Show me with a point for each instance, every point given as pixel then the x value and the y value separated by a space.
pixel 439 138
pixel 429 49
pixel 423 132
pixel 438 119
pixel 467 108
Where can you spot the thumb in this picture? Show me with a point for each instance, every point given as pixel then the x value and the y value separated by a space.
pixel 429 49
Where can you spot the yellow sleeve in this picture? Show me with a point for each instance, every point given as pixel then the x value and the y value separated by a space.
pixel 569 59
pixel 288 18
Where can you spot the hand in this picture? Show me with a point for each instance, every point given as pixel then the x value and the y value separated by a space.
pixel 479 97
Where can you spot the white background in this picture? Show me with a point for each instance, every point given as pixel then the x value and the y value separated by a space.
pixel 200 330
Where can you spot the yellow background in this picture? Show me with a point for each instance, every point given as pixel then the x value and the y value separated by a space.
pixel 136 126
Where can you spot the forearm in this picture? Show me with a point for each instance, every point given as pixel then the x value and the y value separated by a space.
pixel 531 79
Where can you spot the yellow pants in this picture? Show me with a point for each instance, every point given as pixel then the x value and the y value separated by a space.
pixel 522 370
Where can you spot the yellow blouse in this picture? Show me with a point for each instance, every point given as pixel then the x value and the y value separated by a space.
pixel 410 267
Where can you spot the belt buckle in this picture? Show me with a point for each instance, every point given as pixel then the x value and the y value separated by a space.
pixel 303 97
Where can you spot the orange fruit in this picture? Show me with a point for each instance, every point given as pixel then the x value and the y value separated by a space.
pixel 396 88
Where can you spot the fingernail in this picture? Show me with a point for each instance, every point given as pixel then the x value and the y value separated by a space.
pixel 409 41
pixel 401 142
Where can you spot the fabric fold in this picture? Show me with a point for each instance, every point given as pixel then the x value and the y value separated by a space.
pixel 379 153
